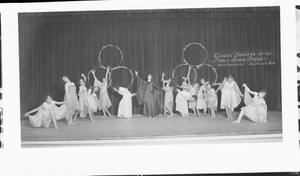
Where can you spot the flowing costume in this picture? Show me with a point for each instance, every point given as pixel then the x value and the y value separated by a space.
pixel 151 97
pixel 125 105
pixel 230 95
pixel 73 103
pixel 43 116
pixel 83 101
pixel 256 108
pixel 104 100
pixel 169 97
pixel 201 104
pixel 211 99
pixel 182 102
pixel 192 103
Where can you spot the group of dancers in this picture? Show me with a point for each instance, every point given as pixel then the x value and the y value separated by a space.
pixel 155 100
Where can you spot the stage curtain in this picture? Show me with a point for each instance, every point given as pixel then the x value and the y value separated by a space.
pixel 53 44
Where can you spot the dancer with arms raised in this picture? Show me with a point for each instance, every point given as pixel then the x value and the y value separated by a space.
pixel 104 100
pixel 150 96
pixel 256 107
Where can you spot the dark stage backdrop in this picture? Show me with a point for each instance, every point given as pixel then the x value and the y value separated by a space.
pixel 244 42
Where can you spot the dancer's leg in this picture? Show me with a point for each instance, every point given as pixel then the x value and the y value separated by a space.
pixel 240 117
pixel 107 112
pixel 53 119
pixel 227 112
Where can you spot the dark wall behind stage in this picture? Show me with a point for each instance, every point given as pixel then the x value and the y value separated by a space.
pixel 68 43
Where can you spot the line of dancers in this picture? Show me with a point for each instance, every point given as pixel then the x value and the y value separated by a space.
pixel 155 100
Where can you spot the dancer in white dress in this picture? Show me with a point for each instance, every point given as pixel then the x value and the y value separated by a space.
pixel 125 105
pixel 48 112
pixel 183 96
pixel 72 99
pixel 104 100
pixel 168 101
pixel 193 102
pixel 201 104
pixel 211 99
pixel 85 107
pixel 256 107
pixel 231 96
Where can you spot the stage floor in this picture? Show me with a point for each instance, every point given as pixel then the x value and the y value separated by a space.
pixel 140 127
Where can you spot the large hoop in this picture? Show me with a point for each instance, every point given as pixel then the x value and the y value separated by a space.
pixel 194 43
pixel 101 67
pixel 110 45
pixel 215 71
pixel 195 72
pixel 122 67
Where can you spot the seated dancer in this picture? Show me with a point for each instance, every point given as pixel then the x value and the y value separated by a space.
pixel 256 107
pixel 211 99
pixel 201 104
pixel 183 96
pixel 104 100
pixel 71 99
pixel 84 105
pixel 150 96
pixel 168 102
pixel 125 105
pixel 48 112
pixel 231 95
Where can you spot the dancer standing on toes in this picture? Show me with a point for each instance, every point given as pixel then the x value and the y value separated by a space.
pixel 125 105
pixel 150 96
pixel 168 103
pixel 104 100
pixel 85 107
pixel 256 107
pixel 48 112
pixel 71 99
pixel 201 104
pixel 231 95
pixel 211 99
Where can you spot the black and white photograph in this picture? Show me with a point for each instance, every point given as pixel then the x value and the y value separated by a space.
pixel 144 74
pixel 151 88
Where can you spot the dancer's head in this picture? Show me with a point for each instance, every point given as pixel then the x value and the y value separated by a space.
pixel 48 98
pixel 196 86
pixel 230 78
pixel 65 79
pixel 95 89
pixel 149 78
pixel 81 81
pixel 202 81
pixel 262 93
pixel 208 86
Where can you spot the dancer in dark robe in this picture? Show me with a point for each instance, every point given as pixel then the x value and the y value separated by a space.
pixel 150 96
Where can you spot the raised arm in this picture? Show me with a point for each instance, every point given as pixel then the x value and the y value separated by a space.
pixel 137 75
pixel 107 71
pixel 163 78
pixel 247 88
pixel 83 76
pixel 187 78
pixel 32 111
pixel 96 81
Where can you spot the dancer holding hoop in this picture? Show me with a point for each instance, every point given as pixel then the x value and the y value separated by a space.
pixel 168 102
pixel 71 99
pixel 48 113
pixel 211 99
pixel 104 100
pixel 231 95
pixel 150 96
pixel 125 105
pixel 85 107
pixel 201 104
pixel 256 107
pixel 183 96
